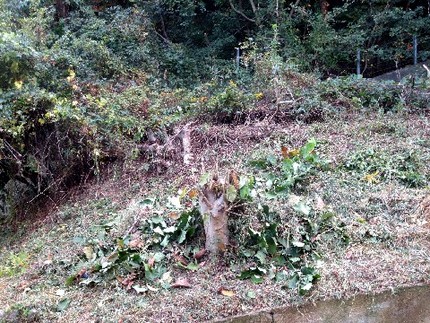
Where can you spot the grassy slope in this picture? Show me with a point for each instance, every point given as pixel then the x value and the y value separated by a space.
pixel 390 236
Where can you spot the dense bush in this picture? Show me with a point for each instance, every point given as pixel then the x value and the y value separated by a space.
pixel 82 81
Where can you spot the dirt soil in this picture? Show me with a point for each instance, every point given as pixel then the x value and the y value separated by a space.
pixel 387 221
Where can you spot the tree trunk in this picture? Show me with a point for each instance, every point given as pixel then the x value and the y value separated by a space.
pixel 61 9
pixel 213 208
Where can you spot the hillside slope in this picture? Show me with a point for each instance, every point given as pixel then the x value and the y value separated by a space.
pixel 384 215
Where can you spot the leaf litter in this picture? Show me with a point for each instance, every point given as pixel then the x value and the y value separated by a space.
pixel 387 222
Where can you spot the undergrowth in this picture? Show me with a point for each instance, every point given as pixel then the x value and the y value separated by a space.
pixel 143 257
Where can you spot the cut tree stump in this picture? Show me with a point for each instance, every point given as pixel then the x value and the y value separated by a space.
pixel 213 208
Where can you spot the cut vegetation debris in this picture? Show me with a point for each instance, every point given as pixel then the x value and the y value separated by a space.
pixel 342 214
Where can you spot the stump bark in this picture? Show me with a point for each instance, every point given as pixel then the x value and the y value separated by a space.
pixel 213 208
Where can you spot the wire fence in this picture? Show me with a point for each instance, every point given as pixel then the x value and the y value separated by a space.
pixel 371 63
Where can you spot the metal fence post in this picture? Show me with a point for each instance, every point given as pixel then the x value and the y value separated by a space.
pixel 237 59
pixel 415 42
pixel 358 63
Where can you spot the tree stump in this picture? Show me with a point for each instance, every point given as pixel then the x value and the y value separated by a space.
pixel 213 208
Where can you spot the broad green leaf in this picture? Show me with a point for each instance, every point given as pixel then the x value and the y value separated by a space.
pixel 308 148
pixel 159 256
pixel 231 193
pixel 204 179
pixel 305 288
pixel 261 256
pixel 256 279
pixel 302 208
pixel 182 236
pixel 175 201
pixel 159 231
pixel 63 304
pixel 272 246
pixel 292 282
pixel 281 276
pixel 247 253
pixel 260 163
pixel 147 201
pixel 158 220
pixel 170 229
pixel 250 294
pixel 298 244
pixel 245 192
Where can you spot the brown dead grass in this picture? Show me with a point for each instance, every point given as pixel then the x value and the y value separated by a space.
pixel 365 266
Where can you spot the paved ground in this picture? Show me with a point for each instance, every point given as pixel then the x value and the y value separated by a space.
pixel 398 75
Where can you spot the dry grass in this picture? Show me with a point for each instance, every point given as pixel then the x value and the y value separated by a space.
pixel 388 223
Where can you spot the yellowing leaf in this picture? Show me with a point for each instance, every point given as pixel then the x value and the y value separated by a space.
pixel 174 215
pixel 371 178
pixel 226 292
pixel 286 153
pixel 231 193
pixel 293 152
pixel 18 84
pixel 89 252
pixel 259 95
pixel 71 76
pixel 193 193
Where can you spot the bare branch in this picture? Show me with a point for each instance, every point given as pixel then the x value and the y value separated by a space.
pixel 254 8
pixel 240 12
pixel 294 6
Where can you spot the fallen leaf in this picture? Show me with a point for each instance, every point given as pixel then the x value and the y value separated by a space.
pixel 319 203
pixel 139 289
pixel 202 264
pixel 225 292
pixel 89 252
pixel 63 304
pixel 60 292
pixel 173 215
pixel 128 281
pixel 199 254
pixel 234 179
pixel 152 289
pixel 371 178
pixel 181 259
pixel 82 273
pixel 181 282
pixel 136 243
pixel 284 151
pixel 151 262
pixel 193 193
